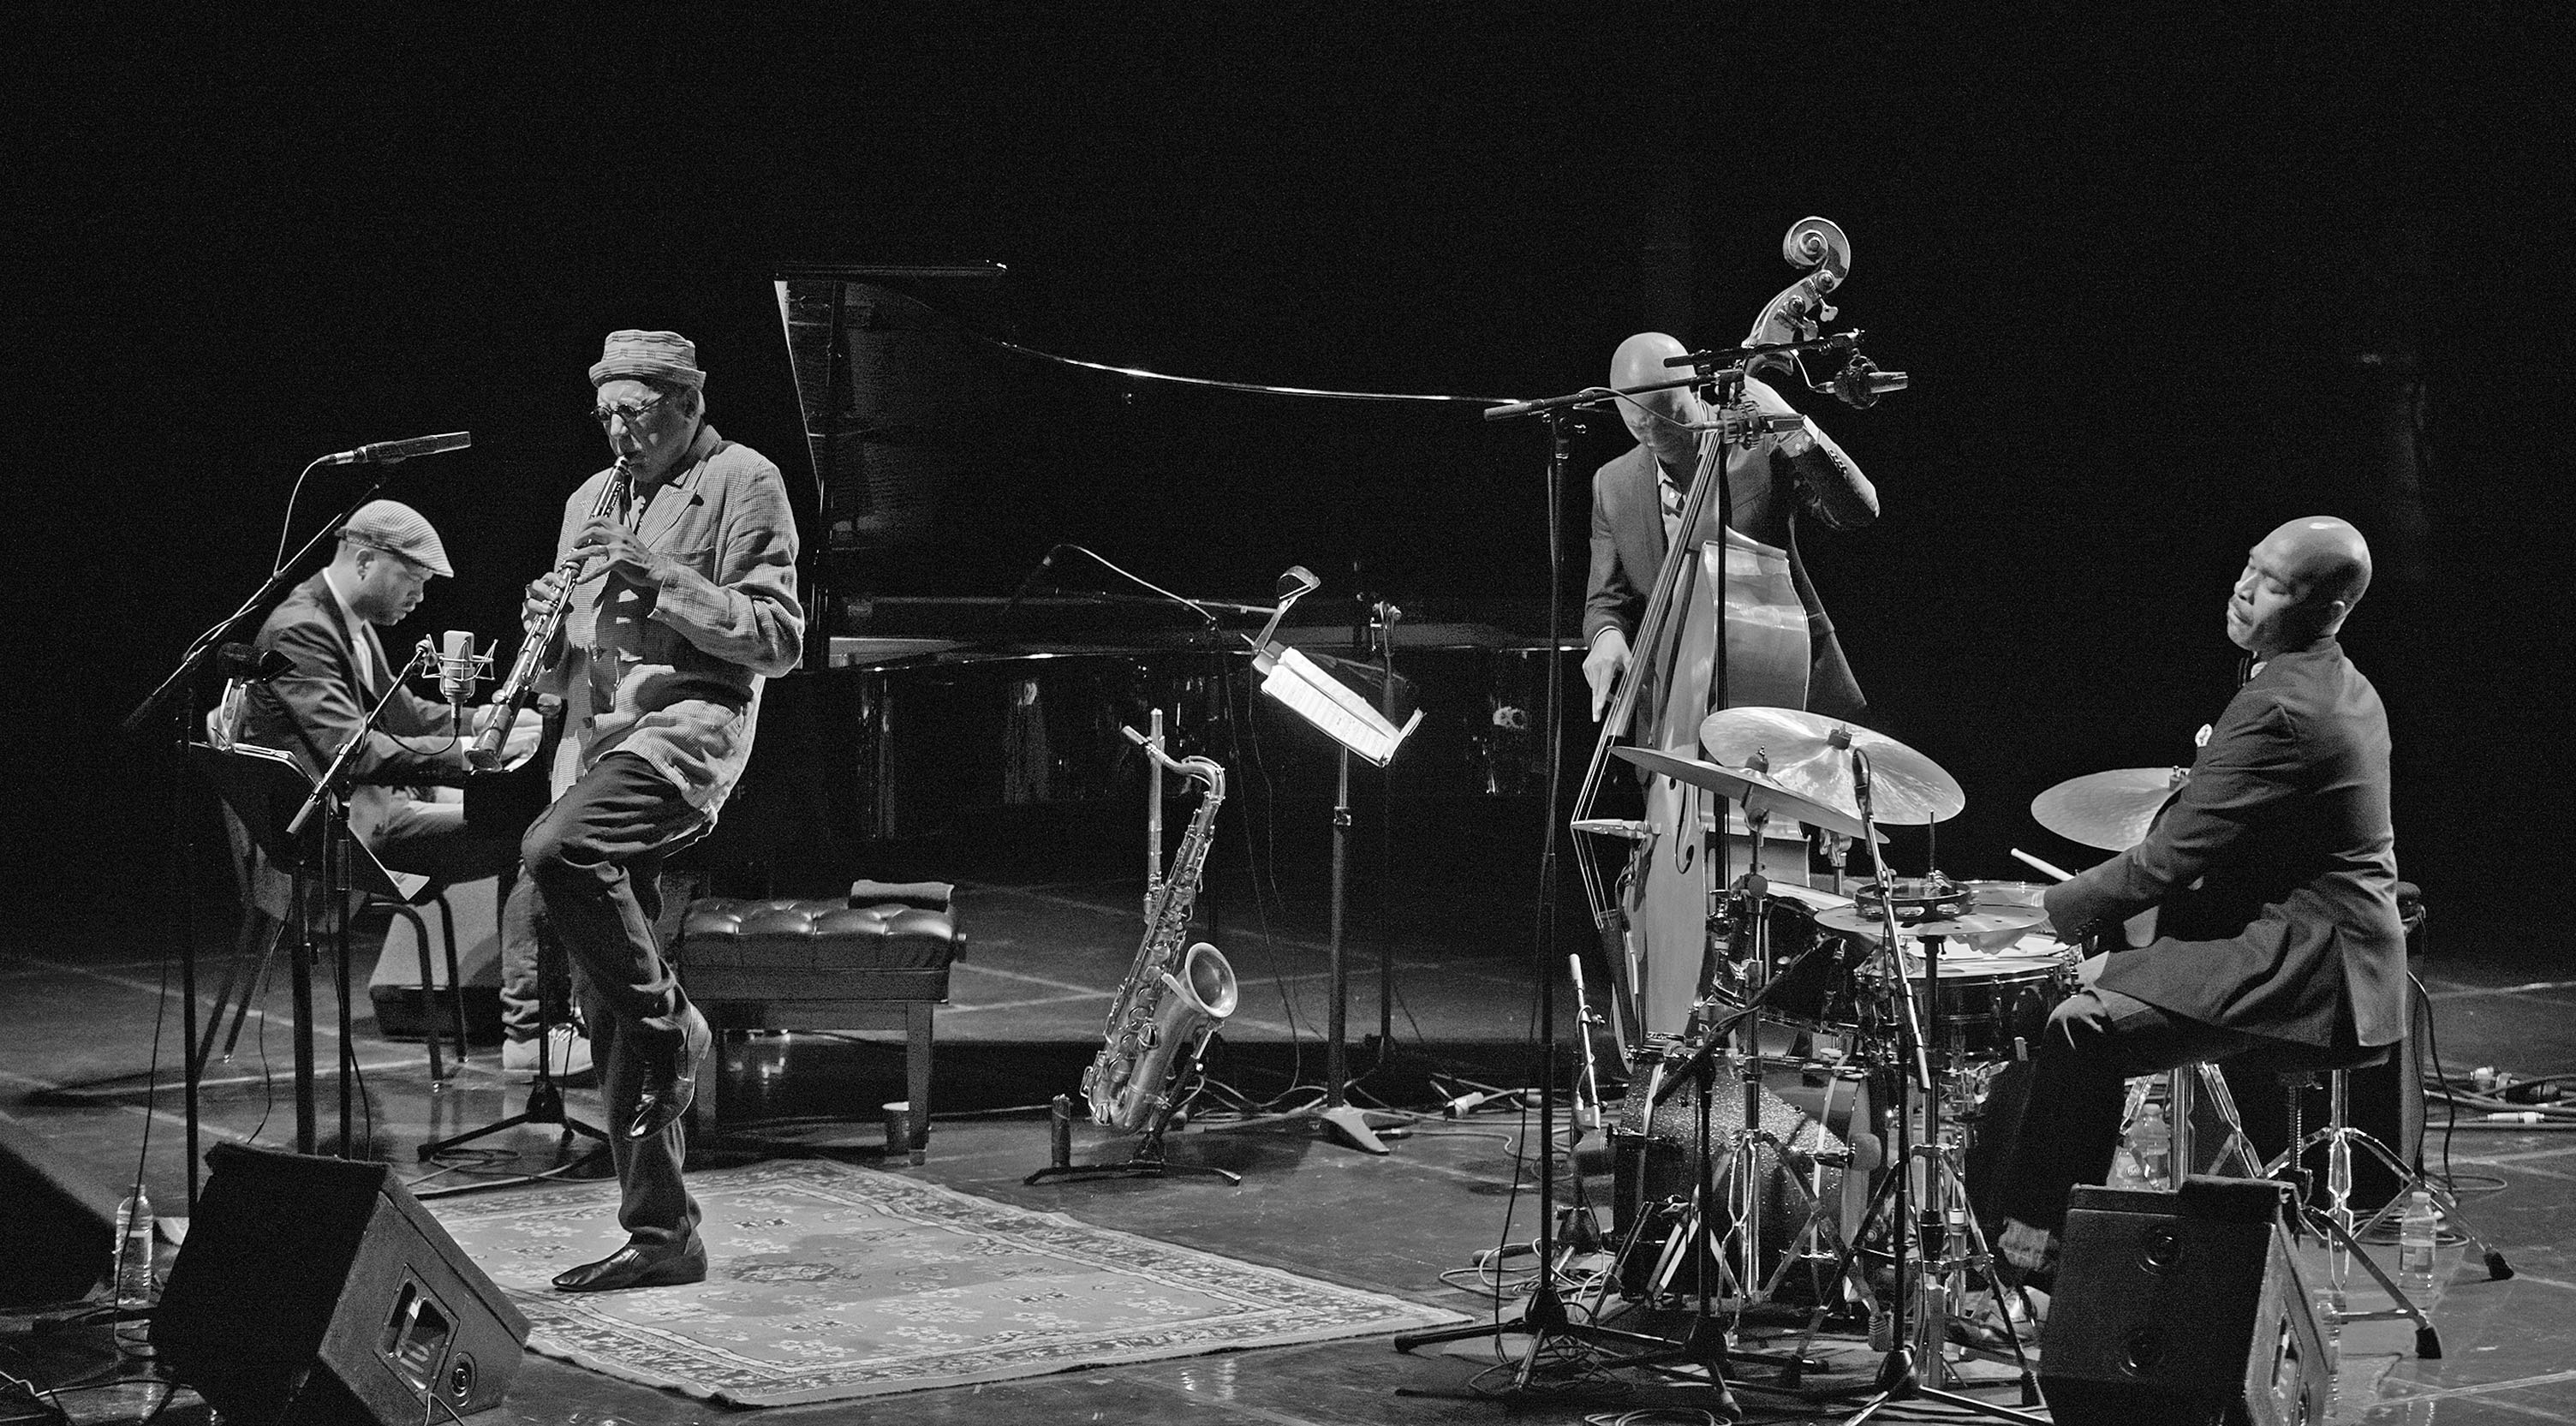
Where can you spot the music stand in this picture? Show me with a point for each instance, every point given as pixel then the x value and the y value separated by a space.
pixel 265 788
pixel 1352 722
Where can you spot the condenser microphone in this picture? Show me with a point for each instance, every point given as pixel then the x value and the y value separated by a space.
pixel 456 667
pixel 1860 383
pixel 388 452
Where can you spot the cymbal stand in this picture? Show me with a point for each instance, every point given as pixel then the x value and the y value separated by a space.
pixel 1899 1378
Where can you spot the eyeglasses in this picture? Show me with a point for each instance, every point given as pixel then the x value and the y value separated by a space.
pixel 629 414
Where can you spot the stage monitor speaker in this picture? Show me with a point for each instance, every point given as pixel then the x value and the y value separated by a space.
pixel 313 1292
pixel 2183 1309
pixel 58 1229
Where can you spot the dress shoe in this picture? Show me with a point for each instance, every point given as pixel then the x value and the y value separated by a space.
pixel 1977 1321
pixel 567 1057
pixel 671 1083
pixel 639 1265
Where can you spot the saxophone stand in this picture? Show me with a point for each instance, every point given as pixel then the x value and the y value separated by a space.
pixel 1202 980
pixel 1145 1160
pixel 1899 1378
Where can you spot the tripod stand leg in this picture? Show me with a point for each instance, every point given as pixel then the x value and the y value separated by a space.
pixel 2408 1181
pixel 2428 1341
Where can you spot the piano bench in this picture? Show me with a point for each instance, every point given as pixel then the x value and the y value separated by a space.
pixel 876 959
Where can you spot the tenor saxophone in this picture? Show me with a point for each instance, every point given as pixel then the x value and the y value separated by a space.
pixel 1173 997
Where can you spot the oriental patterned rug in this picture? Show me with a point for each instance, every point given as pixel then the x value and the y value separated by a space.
pixel 829 1281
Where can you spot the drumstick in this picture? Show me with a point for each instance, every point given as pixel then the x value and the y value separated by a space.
pixel 2058 872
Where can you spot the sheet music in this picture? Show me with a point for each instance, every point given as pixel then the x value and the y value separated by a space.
pixel 1329 704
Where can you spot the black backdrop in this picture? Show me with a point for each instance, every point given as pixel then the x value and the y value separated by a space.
pixel 2159 285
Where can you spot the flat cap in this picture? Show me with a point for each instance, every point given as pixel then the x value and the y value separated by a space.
pixel 396 528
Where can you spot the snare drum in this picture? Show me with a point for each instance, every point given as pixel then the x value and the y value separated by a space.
pixel 1991 1006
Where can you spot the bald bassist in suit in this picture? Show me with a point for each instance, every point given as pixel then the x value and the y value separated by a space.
pixel 1636 503
pixel 1742 627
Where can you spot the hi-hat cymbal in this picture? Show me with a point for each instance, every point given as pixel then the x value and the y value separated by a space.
pixel 1810 754
pixel 1980 925
pixel 2110 810
pixel 1756 792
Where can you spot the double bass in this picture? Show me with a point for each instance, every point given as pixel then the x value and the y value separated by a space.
pixel 1713 581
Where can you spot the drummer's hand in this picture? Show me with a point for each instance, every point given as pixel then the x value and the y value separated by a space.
pixel 1602 667
pixel 539 599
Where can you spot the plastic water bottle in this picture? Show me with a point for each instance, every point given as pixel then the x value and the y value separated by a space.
pixel 131 1269
pixel 2151 1143
pixel 2419 1232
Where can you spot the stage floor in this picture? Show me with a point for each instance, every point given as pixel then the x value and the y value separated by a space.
pixel 82 984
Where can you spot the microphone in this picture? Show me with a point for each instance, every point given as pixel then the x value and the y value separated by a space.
pixel 388 452
pixel 457 667
pixel 252 665
pixel 1029 586
pixel 1861 383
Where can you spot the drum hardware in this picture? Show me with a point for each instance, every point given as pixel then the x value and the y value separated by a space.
pixel 1699 1228
pixel 1933 1229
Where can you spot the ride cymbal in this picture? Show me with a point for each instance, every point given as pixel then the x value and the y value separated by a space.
pixel 1757 792
pixel 1810 755
pixel 2109 810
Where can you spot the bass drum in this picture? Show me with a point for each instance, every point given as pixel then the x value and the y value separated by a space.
pixel 1832 1125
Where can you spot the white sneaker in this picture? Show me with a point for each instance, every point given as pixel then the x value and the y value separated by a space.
pixel 568 1056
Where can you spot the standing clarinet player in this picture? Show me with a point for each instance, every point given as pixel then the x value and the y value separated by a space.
pixel 682 602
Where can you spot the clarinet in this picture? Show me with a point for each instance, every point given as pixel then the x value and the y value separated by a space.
pixel 514 691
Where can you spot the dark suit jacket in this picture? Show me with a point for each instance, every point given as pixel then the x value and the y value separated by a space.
pixel 2291 930
pixel 318 707
pixel 1768 491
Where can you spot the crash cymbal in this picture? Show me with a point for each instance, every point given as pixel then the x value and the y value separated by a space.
pixel 1757 792
pixel 1810 754
pixel 1980 926
pixel 2110 810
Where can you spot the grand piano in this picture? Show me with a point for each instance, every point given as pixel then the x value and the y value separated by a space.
pixel 974 649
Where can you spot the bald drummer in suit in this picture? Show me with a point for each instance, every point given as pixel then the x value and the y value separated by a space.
pixel 2276 873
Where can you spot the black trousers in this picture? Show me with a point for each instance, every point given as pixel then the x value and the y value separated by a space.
pixel 593 864
pixel 2068 1128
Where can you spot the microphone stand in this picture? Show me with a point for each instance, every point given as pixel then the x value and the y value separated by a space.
pixel 175 700
pixel 1543 1315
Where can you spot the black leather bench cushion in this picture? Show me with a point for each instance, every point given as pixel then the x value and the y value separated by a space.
pixel 813 949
